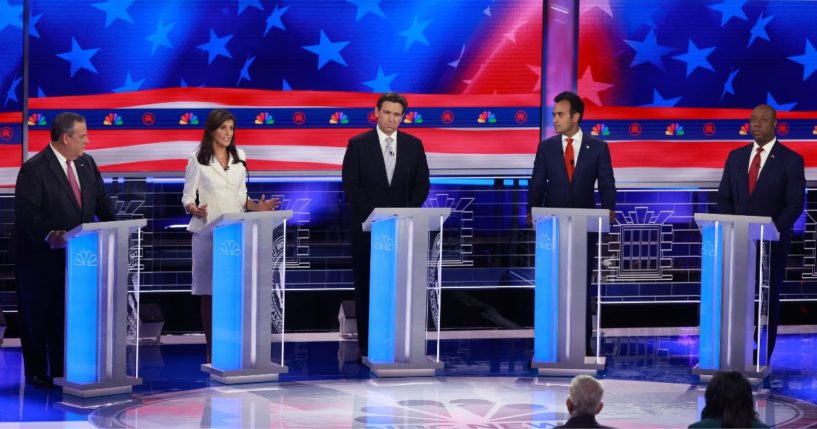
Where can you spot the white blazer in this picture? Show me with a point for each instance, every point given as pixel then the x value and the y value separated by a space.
pixel 222 191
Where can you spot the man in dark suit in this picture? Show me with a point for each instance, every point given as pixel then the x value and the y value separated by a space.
pixel 381 168
pixel 766 178
pixel 565 172
pixel 57 189
pixel 584 403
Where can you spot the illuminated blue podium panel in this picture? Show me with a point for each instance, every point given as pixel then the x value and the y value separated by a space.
pixel 729 264
pixel 248 288
pixel 561 290
pixel 401 278
pixel 97 261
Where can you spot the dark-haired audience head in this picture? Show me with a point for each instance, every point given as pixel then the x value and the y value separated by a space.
pixel 585 396
pixel 568 112
pixel 69 134
pixel 218 129
pixel 729 398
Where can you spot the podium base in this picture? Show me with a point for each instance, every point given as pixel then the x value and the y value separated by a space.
pixel 93 390
pixel 751 372
pixel 241 376
pixel 591 365
pixel 407 369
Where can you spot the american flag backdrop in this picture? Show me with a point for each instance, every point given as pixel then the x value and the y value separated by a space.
pixel 301 76
pixel 670 84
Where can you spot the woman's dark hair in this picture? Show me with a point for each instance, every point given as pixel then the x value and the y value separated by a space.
pixel 214 120
pixel 729 398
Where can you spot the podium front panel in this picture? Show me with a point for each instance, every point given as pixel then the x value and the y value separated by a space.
pixel 82 309
pixel 228 244
pixel 383 291
pixel 711 295
pixel 546 292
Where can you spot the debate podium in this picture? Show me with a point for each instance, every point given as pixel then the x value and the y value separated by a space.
pixel 399 282
pixel 729 264
pixel 248 298
pixel 98 258
pixel 561 290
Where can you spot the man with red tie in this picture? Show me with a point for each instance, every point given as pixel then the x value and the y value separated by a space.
pixel 57 189
pixel 766 178
pixel 566 170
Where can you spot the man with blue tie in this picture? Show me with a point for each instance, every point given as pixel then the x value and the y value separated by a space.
pixel 566 170
pixel 766 178
pixel 382 167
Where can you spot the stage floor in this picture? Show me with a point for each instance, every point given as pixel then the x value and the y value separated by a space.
pixel 487 383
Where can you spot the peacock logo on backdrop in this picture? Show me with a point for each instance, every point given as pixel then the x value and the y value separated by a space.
pixel 189 118
pixel 339 118
pixel 600 130
pixel 112 119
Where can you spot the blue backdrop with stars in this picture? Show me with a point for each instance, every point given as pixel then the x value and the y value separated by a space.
pixel 722 53
pixel 103 46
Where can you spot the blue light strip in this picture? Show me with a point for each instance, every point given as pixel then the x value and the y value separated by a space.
pixel 228 279
pixel 462 181
pixel 383 291
pixel 711 289
pixel 546 292
pixel 82 309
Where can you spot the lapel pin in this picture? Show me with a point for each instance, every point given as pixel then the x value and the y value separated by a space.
pixel 587 147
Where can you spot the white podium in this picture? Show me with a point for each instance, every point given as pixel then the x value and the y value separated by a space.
pixel 243 294
pixel 96 309
pixel 561 290
pixel 400 275
pixel 728 266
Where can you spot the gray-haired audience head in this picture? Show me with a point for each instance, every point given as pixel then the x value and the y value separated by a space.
pixel 585 396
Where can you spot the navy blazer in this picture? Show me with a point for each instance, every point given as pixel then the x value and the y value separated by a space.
pixel 44 200
pixel 779 192
pixel 549 186
pixel 365 183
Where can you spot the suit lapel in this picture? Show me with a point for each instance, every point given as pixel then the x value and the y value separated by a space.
pixel 376 155
pixel 56 168
pixel 743 176
pixel 771 164
pixel 558 154
pixel 584 154
pixel 85 182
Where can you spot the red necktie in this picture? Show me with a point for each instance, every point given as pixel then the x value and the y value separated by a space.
pixel 73 181
pixel 569 159
pixel 754 170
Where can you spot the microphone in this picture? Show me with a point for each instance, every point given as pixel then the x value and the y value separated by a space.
pixel 391 153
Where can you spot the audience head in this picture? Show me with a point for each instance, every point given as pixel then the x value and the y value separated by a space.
pixel 729 398
pixel 585 396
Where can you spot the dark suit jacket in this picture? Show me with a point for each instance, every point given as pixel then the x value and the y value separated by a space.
pixel 582 421
pixel 549 186
pixel 366 185
pixel 779 192
pixel 44 201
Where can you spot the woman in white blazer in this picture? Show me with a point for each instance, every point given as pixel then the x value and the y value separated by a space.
pixel 216 175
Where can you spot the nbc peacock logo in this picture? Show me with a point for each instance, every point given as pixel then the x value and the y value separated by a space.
pixel 814 131
pixel 674 129
pixel 413 117
pixel 744 129
pixel 600 130
pixel 37 119
pixel 264 118
pixel 189 118
pixel 486 117
pixel 112 119
pixel 338 118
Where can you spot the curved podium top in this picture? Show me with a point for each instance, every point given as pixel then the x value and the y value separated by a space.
pixel 89 227
pixel 767 232
pixel 405 212
pixel 275 216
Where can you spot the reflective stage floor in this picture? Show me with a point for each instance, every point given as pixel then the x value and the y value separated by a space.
pixel 486 383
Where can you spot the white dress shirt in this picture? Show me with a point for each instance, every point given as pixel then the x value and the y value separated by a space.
pixel 767 148
pixel 577 145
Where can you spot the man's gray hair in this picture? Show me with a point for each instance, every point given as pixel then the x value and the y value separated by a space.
pixel 585 394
